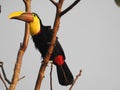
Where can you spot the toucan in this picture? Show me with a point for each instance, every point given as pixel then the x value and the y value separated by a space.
pixel 42 36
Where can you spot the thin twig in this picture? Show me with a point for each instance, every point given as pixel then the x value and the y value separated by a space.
pixel 51 76
pixel 0 8
pixel 1 63
pixel 21 51
pixel 77 76
pixel 5 77
pixel 69 8
pixel 3 71
pixel 21 78
pixel 55 3
pixel 3 82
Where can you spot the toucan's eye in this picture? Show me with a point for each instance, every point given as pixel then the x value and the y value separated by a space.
pixel 34 15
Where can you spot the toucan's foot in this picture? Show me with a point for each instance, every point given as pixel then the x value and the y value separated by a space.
pixel 51 61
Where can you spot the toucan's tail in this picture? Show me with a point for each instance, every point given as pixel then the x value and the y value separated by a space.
pixel 65 76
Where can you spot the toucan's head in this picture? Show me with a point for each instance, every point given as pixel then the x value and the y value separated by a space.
pixel 32 18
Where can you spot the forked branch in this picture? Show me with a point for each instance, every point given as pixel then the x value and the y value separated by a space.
pixel 59 13
pixel 70 7
pixel 3 72
pixel 50 50
pixel 3 82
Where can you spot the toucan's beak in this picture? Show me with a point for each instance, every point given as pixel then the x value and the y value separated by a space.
pixel 23 16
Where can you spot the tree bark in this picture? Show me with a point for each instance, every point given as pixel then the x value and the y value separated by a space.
pixel 21 51
pixel 50 50
pixel 59 13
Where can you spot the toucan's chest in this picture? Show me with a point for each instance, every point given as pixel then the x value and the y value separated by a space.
pixel 42 41
pixel 42 38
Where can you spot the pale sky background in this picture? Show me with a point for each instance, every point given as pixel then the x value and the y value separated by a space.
pixel 89 34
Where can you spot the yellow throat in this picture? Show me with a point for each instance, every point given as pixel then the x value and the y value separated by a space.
pixel 35 26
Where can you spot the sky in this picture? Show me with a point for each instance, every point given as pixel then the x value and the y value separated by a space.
pixel 89 35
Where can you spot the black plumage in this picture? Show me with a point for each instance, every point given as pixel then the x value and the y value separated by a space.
pixel 42 42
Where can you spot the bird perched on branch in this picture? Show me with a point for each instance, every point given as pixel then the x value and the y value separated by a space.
pixel 42 36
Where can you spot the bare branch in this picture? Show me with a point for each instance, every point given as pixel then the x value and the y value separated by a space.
pixel 51 76
pixel 1 63
pixel 117 2
pixel 3 71
pixel 3 82
pixel 0 8
pixel 50 50
pixel 55 3
pixel 69 8
pixel 27 5
pixel 21 78
pixel 77 76
pixel 21 51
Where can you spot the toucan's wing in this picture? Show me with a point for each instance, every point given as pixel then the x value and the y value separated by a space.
pixel 58 50
pixel 43 40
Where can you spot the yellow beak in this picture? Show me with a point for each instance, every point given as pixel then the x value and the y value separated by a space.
pixel 23 16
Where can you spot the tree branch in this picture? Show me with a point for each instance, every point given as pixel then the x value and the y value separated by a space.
pixel 117 2
pixel 50 50
pixel 77 76
pixel 55 30
pixel 3 71
pixel 4 75
pixel 0 8
pixel 1 63
pixel 51 76
pixel 3 82
pixel 21 78
pixel 21 51
pixel 55 3
pixel 69 8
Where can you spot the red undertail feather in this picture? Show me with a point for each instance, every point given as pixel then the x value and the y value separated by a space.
pixel 65 76
pixel 59 60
